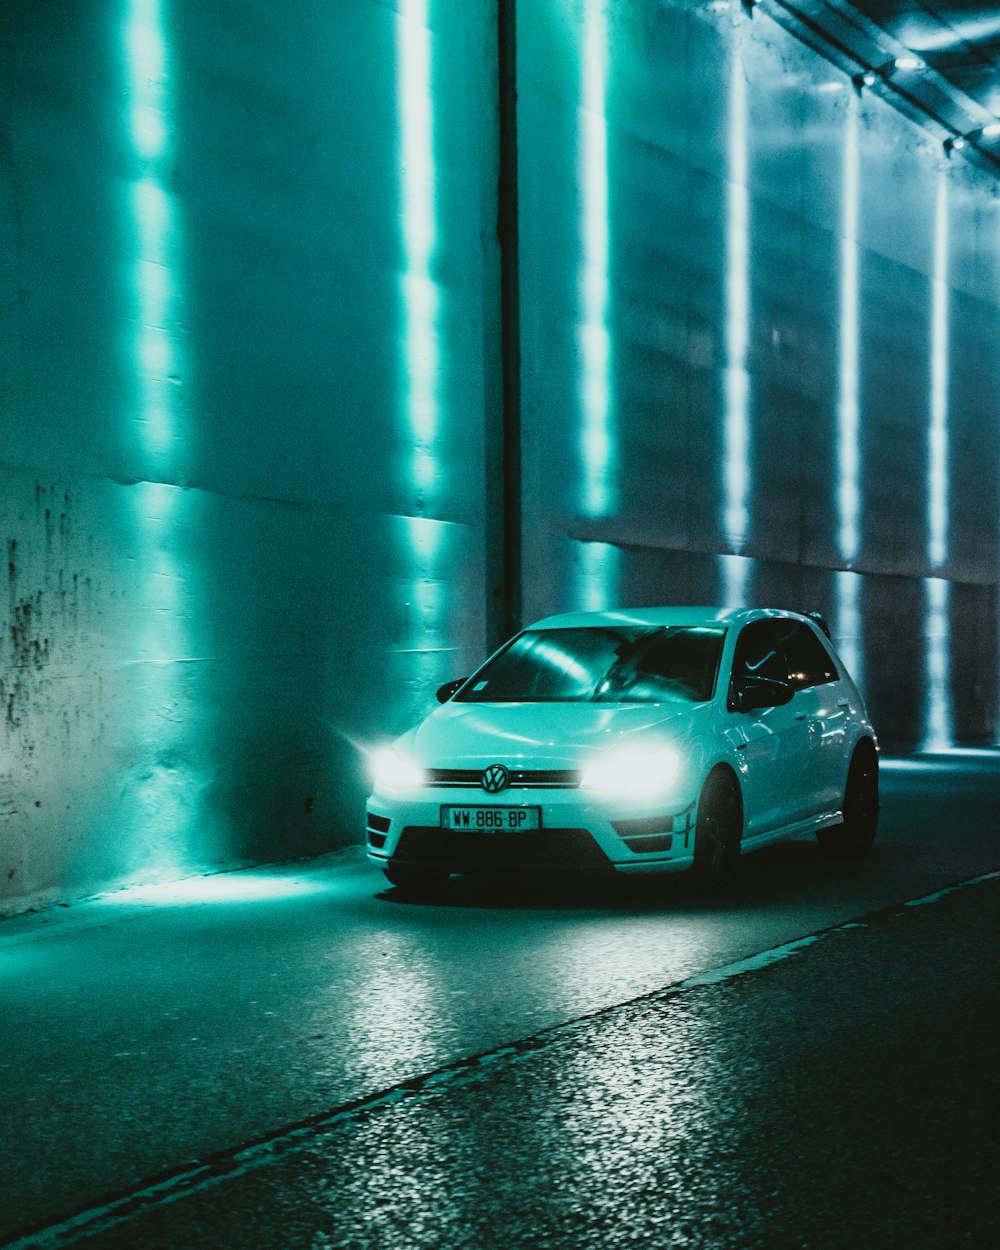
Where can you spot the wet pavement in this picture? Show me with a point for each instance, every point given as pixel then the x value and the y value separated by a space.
pixel 289 1058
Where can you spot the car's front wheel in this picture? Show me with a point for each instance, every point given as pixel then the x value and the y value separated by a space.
pixel 718 831
pixel 416 878
pixel 857 833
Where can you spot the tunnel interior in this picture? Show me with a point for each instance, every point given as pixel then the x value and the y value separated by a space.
pixel 338 341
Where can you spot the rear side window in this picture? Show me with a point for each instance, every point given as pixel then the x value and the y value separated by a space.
pixel 808 663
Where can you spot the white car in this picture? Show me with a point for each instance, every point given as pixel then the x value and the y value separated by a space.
pixel 647 741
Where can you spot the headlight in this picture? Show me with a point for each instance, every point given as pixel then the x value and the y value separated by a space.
pixel 633 772
pixel 393 771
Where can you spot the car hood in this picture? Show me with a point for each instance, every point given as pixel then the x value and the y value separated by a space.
pixel 540 735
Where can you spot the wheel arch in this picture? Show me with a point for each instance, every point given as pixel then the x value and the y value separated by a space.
pixel 865 742
pixel 725 769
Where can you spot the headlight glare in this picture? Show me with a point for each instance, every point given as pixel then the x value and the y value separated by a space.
pixel 633 772
pixel 394 772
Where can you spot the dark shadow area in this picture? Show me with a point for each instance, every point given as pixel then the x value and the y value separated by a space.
pixel 770 877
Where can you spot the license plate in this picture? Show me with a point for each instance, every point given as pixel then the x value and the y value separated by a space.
pixel 491 819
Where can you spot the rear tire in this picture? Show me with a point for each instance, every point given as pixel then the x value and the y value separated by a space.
pixel 857 833
pixel 416 878
pixel 718 832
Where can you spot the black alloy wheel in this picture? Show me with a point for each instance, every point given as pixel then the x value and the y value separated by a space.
pixel 857 833
pixel 718 832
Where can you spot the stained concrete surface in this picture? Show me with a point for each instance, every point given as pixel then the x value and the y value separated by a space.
pixel 851 1088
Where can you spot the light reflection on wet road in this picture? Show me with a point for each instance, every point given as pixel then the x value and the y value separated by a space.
pixel 137 1037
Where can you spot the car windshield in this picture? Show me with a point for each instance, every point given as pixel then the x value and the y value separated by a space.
pixel 628 664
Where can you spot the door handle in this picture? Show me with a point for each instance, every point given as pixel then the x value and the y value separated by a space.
pixel 800 715
pixel 843 703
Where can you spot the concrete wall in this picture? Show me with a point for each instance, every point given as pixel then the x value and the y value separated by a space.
pixel 250 393
pixel 248 275
pixel 761 361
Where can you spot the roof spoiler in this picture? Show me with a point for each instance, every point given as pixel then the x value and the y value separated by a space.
pixel 819 619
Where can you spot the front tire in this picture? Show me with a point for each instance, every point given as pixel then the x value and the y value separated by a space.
pixel 718 832
pixel 857 833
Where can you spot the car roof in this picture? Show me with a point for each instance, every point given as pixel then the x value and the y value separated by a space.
pixel 659 616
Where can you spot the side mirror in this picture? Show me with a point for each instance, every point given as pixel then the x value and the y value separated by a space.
pixel 448 689
pixel 753 693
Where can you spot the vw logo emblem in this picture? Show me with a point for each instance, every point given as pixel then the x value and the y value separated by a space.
pixel 494 778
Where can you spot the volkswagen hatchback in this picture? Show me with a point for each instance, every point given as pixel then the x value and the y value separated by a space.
pixel 652 741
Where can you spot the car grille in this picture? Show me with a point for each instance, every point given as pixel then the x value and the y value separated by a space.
pixel 647 835
pixel 377 828
pixel 519 779
pixel 465 851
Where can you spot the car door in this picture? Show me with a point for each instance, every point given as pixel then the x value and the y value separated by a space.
pixel 820 707
pixel 770 740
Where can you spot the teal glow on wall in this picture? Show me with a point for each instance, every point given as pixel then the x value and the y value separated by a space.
pixel 597 577
pixel 847 585
pixel 595 345
pixel 421 335
pixel 848 405
pixel 155 345
pixel 938 735
pixel 159 797
pixel 850 623
pixel 937 443
pixel 938 730
pixel 736 419
pixel 424 598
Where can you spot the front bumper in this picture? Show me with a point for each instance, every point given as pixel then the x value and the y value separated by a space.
pixel 577 833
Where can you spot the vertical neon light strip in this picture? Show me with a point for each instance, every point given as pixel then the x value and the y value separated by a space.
pixel 937 445
pixel 421 331
pixel 848 408
pixel 156 350
pixel 594 281
pixel 736 432
pixel 599 562
pixel 937 629
pixel 162 796
pixel 848 494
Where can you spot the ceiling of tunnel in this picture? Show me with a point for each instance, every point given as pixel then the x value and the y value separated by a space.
pixel 956 91
pixel 958 39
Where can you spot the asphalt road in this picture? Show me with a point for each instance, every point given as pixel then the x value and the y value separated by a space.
pixel 301 1058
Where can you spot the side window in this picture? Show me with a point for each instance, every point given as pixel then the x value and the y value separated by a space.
pixel 808 661
pixel 758 654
